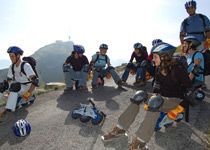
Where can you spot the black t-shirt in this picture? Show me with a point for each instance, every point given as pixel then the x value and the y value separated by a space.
pixel 139 59
pixel 77 64
pixel 174 84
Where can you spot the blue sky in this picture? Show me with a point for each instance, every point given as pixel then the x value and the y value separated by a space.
pixel 32 24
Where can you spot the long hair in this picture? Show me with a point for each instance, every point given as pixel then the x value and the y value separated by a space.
pixel 166 63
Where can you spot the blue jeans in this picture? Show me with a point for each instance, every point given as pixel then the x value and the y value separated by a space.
pixel 75 75
pixel 104 72
pixel 142 71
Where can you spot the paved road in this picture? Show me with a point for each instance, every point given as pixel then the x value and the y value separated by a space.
pixel 54 129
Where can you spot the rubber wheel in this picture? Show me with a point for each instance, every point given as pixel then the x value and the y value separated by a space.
pixel 98 119
pixel 84 119
pixel 168 125
pixel 75 115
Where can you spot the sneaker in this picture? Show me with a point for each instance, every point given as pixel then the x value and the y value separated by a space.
pixel 68 89
pixel 94 86
pixel 137 145
pixel 123 81
pixel 83 88
pixel 113 134
pixel 204 86
pixel 139 83
pixel 6 116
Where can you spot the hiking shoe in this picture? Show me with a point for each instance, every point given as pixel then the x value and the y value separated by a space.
pixel 68 89
pixel 139 83
pixel 123 81
pixel 137 145
pixel 113 134
pixel 6 116
pixel 204 86
pixel 94 86
pixel 83 88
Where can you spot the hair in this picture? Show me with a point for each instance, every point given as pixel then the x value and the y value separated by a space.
pixel 166 63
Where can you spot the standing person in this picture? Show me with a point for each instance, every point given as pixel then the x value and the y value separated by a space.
pixel 24 83
pixel 147 65
pixel 195 60
pixel 197 25
pixel 98 64
pixel 168 97
pixel 76 67
pixel 140 54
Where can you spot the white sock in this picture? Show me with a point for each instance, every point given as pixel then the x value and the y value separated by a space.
pixel 120 127
pixel 140 140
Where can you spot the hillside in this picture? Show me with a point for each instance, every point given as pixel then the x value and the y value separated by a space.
pixel 50 59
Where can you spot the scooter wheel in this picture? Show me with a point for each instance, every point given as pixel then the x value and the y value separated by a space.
pixel 75 115
pixel 168 125
pixel 84 119
pixel 98 119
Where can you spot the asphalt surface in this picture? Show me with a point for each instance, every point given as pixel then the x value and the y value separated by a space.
pixel 54 129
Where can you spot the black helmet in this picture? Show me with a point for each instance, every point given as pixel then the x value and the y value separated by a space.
pixel 104 46
pixel 139 97
pixel 190 4
pixel 15 49
pixel 137 45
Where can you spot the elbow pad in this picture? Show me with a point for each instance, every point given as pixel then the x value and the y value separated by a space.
pixel 35 81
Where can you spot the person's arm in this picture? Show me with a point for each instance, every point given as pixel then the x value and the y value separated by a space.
pixel 132 57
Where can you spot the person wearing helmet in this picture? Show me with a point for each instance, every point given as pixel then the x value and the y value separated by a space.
pixel 140 54
pixel 98 65
pixel 167 96
pixel 147 65
pixel 23 85
pixel 197 25
pixel 76 67
pixel 195 60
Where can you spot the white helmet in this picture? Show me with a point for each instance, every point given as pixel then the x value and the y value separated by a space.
pixel 22 128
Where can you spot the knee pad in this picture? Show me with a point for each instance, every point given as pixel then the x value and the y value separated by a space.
pixel 139 97
pixel 110 68
pixel 66 68
pixel 138 65
pixel 129 65
pixel 15 87
pixel 98 69
pixel 155 102
pixel 3 86
pixel 86 68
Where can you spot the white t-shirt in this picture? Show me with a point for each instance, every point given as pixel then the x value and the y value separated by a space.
pixel 19 76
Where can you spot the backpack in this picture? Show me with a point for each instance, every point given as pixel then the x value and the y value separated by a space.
pixel 186 24
pixel 29 60
pixel 106 59
pixel 206 56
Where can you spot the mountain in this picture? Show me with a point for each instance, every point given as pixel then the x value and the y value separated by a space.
pixel 50 59
pixel 118 62
pixel 4 63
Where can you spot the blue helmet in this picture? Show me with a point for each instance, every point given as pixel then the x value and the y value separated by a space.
pixel 156 41
pixel 22 128
pixel 190 4
pixel 192 39
pixel 79 48
pixel 163 48
pixel 15 49
pixel 103 46
pixel 137 45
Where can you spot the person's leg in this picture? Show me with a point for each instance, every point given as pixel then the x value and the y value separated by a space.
pixel 115 76
pixel 125 74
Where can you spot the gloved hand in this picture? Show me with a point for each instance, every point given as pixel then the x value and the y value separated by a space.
pixel 26 96
pixel 145 107
pixel 88 77
pixel 148 75
pixel 207 43
pixel 172 114
pixel 182 49
pixel 109 76
pixel 132 72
